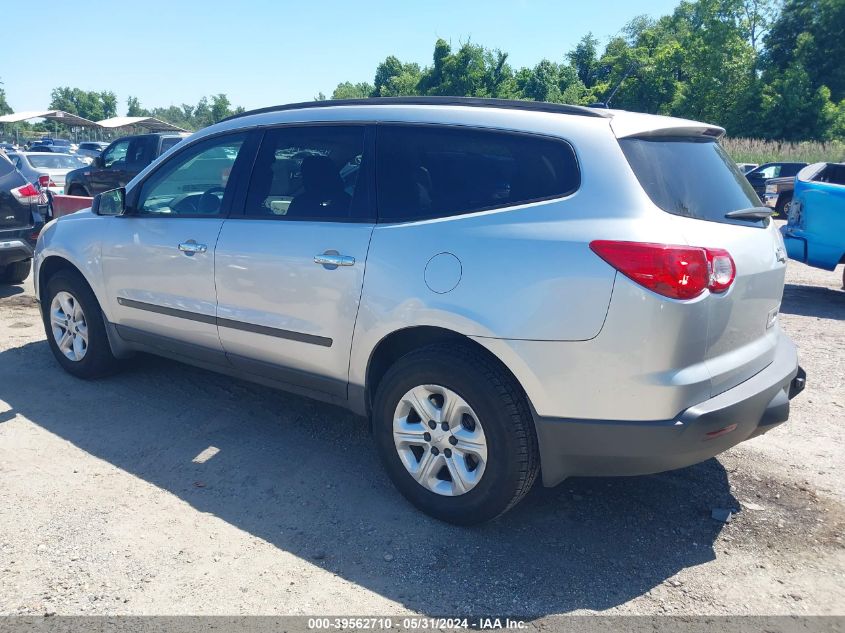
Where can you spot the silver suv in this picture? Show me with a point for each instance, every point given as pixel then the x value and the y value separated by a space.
pixel 505 289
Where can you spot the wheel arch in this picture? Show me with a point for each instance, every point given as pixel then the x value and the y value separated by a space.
pixel 400 342
pixel 50 266
pixel 53 264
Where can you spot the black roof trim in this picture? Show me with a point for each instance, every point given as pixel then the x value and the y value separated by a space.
pixel 475 102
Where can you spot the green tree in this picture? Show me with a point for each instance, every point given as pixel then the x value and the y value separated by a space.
pixel 395 79
pixel 812 34
pixel 4 105
pixel 584 59
pixel 109 104
pixel 348 90
pixel 220 107
pixel 133 107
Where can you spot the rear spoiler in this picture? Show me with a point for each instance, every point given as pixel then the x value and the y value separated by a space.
pixel 630 124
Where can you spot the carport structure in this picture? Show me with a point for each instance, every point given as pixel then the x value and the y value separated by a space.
pixel 57 116
pixel 148 123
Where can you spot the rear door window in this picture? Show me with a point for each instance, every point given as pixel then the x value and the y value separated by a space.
pixel 314 172
pixel 690 177
pixel 432 171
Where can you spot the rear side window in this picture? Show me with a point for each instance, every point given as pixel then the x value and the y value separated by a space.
pixel 168 142
pixel 313 172
pixel 427 171
pixel 690 177
pixel 6 166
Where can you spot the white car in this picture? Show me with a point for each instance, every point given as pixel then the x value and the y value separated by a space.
pixel 46 169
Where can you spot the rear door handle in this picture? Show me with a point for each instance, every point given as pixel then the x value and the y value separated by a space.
pixel 190 247
pixel 332 260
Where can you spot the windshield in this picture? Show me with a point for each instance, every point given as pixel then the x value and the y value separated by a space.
pixel 56 161
pixel 691 177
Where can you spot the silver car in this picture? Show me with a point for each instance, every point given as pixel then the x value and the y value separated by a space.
pixel 47 169
pixel 505 289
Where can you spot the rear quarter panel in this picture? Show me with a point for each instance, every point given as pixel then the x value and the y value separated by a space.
pixel 526 272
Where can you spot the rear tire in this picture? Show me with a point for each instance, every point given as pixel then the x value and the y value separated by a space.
pixel 16 272
pixel 70 311
pixel 489 400
pixel 782 205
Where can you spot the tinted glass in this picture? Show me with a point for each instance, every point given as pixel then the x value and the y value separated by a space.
pixel 311 172
pixel 690 177
pixel 790 169
pixel 168 142
pixel 6 166
pixel 192 182
pixel 436 172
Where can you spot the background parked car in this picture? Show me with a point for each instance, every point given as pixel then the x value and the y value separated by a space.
pixel 759 175
pixel 778 194
pixel 119 163
pixel 22 212
pixel 746 167
pixel 815 232
pixel 38 147
pixel 46 168
pixel 89 150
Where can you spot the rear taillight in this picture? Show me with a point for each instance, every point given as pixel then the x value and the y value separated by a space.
pixel 45 181
pixel 26 192
pixel 678 272
pixel 722 269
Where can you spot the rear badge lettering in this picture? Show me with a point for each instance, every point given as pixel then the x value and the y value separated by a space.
pixel 772 318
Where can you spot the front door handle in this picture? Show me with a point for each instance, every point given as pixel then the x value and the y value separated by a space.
pixel 190 247
pixel 332 259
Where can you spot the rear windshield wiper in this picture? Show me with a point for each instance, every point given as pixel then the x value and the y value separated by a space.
pixel 754 213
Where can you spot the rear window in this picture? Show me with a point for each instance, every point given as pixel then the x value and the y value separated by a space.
pixel 694 178
pixel 427 171
pixel 57 161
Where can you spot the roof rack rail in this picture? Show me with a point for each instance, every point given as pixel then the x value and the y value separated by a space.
pixel 477 102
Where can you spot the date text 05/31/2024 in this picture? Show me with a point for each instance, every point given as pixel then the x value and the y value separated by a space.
pixel 412 623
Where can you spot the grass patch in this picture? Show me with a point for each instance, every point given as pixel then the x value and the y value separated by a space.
pixel 752 150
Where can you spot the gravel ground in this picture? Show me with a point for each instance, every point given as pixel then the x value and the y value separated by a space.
pixel 170 490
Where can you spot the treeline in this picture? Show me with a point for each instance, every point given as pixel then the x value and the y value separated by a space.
pixel 204 113
pixel 96 106
pixel 759 69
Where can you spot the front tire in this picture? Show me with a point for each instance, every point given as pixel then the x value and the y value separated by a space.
pixel 455 434
pixel 16 272
pixel 75 327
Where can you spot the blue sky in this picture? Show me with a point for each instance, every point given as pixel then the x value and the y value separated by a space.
pixel 263 52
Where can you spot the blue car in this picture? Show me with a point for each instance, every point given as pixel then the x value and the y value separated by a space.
pixel 815 230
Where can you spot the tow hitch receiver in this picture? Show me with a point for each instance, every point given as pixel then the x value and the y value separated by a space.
pixel 798 383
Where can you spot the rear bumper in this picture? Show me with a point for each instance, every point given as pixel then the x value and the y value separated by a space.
pixel 14 249
pixel 614 447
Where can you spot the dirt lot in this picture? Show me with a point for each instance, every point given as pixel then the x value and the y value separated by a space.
pixel 112 503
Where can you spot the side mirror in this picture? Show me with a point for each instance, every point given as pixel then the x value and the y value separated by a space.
pixel 110 202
